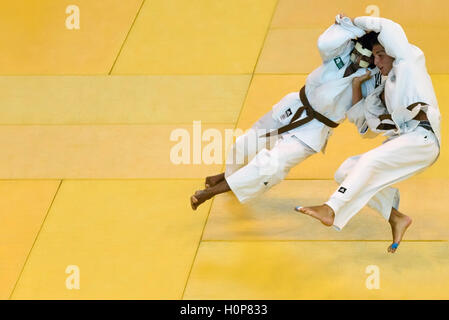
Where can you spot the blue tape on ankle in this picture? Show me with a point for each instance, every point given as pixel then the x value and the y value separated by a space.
pixel 395 245
pixel 297 208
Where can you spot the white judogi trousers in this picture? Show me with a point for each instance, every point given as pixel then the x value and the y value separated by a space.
pixel 365 179
pixel 255 164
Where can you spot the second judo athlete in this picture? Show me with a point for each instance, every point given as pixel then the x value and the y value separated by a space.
pixel 405 108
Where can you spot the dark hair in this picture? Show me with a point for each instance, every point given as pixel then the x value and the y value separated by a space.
pixel 369 40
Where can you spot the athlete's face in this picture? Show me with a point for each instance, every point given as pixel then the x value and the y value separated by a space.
pixel 360 58
pixel 383 61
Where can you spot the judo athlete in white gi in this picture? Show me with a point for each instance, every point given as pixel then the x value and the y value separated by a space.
pixel 405 108
pixel 320 106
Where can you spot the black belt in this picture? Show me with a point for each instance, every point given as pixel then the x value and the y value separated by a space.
pixel 426 125
pixel 310 115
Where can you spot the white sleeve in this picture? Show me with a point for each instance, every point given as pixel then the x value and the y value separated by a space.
pixel 391 35
pixel 336 38
pixel 356 115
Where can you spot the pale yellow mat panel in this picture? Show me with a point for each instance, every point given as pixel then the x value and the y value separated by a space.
pixel 267 90
pixel 24 205
pixel 207 37
pixel 127 240
pixel 409 13
pixel 137 151
pixel 121 99
pixel 319 270
pixel 295 50
pixel 37 40
pixel 272 217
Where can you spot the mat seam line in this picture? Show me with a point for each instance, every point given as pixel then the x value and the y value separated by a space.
pixel 235 126
pixel 126 38
pixel 35 240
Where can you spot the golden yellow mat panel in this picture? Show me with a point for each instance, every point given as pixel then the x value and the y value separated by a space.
pixel 115 240
pixel 63 37
pixel 319 270
pixel 271 216
pixel 24 206
pixel 201 37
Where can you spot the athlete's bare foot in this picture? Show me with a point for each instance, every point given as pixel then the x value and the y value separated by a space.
pixel 399 223
pixel 324 213
pixel 214 180
pixel 202 195
pixel 199 197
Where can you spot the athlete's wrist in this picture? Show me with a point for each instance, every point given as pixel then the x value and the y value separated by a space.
pixel 356 83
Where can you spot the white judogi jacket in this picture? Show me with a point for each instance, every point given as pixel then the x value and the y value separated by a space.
pixel 327 90
pixel 408 81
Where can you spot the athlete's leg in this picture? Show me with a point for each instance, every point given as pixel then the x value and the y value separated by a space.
pixel 268 168
pixel 375 170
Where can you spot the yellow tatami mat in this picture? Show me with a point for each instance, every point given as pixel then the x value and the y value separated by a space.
pixel 319 270
pixel 271 216
pixel 121 99
pixel 267 90
pixel 106 131
pixel 201 37
pixel 111 151
pixel 291 43
pixel 429 41
pixel 290 51
pixel 299 14
pixel 264 92
pixel 36 39
pixel 24 206
pixel 127 240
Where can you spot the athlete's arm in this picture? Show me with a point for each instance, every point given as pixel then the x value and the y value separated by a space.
pixel 357 87
pixel 336 38
pixel 391 35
